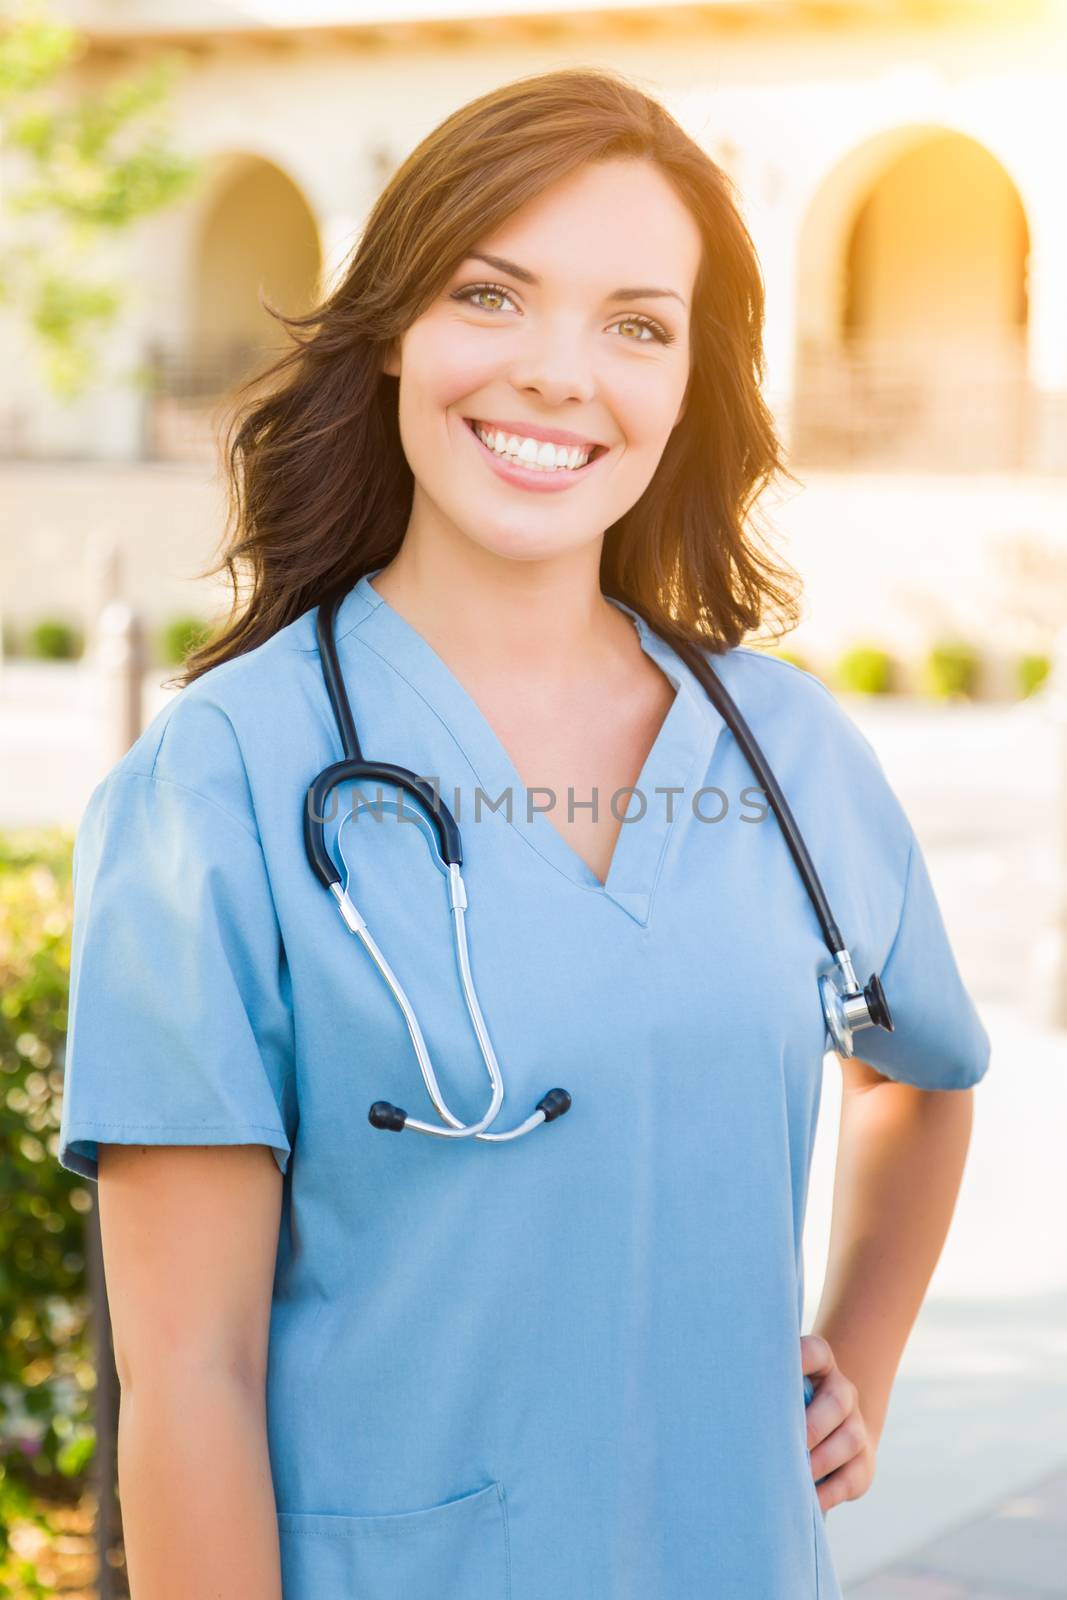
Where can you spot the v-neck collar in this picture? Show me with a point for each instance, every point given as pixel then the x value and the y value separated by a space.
pixel 678 758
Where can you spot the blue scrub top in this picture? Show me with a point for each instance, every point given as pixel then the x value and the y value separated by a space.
pixel 569 1364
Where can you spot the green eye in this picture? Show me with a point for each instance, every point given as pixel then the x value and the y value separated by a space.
pixel 480 288
pixel 658 330
pixel 466 295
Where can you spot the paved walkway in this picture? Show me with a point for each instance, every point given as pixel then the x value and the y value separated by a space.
pixel 970 1498
pixel 1016 1551
pixel 979 1404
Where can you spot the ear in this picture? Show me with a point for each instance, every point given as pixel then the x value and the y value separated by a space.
pixel 391 360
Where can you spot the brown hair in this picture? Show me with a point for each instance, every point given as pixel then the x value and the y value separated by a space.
pixel 319 488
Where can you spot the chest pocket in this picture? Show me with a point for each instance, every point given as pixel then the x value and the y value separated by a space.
pixel 452 1551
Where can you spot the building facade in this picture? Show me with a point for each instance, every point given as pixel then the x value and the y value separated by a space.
pixel 896 164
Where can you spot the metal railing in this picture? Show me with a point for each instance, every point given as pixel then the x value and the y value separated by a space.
pixel 857 404
pixel 932 406
pixel 185 398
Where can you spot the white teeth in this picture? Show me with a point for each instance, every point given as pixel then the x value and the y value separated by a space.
pixel 537 454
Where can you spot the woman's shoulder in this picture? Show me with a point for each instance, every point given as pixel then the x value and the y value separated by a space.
pixel 786 699
pixel 211 735
pixel 819 754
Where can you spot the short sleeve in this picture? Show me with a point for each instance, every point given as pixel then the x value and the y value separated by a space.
pixel 938 1040
pixel 180 1019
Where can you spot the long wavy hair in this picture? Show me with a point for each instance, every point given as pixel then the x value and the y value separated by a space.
pixel 319 489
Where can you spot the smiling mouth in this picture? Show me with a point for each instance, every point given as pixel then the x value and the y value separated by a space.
pixel 568 458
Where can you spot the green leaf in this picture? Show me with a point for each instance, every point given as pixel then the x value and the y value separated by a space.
pixel 82 167
pixel 32 51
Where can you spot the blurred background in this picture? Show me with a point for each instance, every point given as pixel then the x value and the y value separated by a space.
pixel 165 166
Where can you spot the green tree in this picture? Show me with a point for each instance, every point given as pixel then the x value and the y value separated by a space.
pixel 76 169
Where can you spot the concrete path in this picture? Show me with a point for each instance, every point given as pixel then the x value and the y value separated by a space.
pixel 1016 1551
pixel 979 1405
pixel 970 1497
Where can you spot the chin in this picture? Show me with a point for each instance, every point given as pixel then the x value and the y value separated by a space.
pixel 522 545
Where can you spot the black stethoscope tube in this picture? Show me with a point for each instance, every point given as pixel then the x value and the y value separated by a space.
pixel 716 692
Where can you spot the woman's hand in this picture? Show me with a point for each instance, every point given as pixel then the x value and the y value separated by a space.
pixel 840 1449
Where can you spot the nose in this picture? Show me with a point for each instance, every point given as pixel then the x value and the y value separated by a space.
pixel 554 363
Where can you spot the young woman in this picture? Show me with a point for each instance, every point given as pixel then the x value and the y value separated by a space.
pixel 364 1356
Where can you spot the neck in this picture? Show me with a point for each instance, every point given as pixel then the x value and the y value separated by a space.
pixel 541 619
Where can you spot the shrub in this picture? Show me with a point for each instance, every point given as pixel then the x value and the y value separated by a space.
pixel 181 635
pixel 865 669
pixel 1031 672
pixel 52 639
pixel 47 1434
pixel 950 669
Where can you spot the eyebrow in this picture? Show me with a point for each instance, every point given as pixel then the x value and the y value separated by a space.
pixel 525 276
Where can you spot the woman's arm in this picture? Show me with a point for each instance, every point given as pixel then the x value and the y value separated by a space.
pixel 190 1238
pixel 901 1154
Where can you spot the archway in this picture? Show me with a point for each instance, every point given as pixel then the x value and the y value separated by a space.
pixel 252 234
pixel 912 309
pixel 257 236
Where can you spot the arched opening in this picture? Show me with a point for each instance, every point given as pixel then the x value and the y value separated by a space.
pixel 254 238
pixel 912 315
pixel 257 237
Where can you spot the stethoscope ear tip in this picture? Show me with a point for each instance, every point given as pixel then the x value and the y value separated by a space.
pixel 554 1104
pixel 384 1115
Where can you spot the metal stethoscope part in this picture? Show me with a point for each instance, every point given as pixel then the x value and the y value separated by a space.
pixel 846 1008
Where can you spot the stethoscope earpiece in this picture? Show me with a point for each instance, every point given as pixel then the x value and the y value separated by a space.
pixel 554 1104
pixel 384 1115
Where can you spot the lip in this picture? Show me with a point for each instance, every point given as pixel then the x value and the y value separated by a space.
pixel 539 481
pixel 529 430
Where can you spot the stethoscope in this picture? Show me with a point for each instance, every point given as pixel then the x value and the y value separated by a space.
pixel 846 1008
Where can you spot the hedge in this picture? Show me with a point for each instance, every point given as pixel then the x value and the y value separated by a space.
pixel 47 1375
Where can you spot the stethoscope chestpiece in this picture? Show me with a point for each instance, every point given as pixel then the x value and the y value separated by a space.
pixel 877 1004
pixel 849 1009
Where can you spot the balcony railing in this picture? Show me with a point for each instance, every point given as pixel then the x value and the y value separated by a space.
pixel 185 399
pixel 938 406
pixel 861 405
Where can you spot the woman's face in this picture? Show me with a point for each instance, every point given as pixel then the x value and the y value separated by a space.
pixel 585 329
